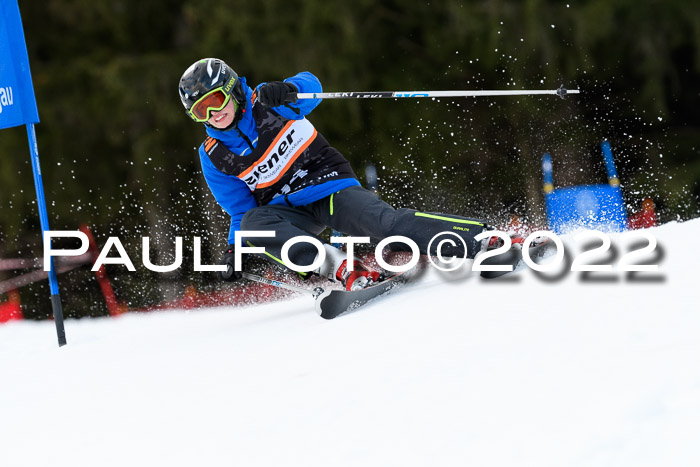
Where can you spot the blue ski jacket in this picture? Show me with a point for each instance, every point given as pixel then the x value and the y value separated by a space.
pixel 230 188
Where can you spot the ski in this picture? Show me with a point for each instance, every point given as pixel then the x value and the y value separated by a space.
pixel 333 303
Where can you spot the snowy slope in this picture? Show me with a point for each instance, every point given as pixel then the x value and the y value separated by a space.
pixel 526 372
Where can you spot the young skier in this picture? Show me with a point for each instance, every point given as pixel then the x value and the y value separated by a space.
pixel 270 170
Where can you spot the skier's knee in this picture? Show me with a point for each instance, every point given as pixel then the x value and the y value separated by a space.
pixel 255 219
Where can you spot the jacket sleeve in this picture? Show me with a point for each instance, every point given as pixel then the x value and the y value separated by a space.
pixel 305 82
pixel 230 192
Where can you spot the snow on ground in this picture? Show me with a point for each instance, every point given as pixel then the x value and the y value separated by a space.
pixel 521 372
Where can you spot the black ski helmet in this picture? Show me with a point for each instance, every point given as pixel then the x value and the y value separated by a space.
pixel 206 75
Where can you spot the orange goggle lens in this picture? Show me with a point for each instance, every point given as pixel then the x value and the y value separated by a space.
pixel 213 101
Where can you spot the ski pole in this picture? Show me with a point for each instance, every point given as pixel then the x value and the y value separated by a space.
pixel 282 285
pixel 561 92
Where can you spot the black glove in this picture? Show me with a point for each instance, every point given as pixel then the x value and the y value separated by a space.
pixel 277 93
pixel 230 274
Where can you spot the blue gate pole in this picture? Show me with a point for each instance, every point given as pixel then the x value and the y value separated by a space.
pixel 44 219
pixel 547 174
pixel 613 180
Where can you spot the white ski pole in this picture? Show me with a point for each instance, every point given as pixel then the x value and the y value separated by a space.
pixel 282 285
pixel 561 92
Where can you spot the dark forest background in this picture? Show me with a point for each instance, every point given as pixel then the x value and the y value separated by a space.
pixel 119 154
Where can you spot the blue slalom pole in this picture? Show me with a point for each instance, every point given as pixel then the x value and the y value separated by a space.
pixel 44 219
pixel 613 179
pixel 547 174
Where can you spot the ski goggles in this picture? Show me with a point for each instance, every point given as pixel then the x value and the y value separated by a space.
pixel 213 101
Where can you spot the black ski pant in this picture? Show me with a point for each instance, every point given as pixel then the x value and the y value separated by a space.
pixel 357 212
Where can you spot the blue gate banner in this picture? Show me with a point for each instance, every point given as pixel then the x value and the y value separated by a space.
pixel 17 102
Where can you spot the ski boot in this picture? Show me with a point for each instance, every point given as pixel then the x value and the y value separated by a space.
pixel 497 242
pixel 359 278
pixel 335 268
